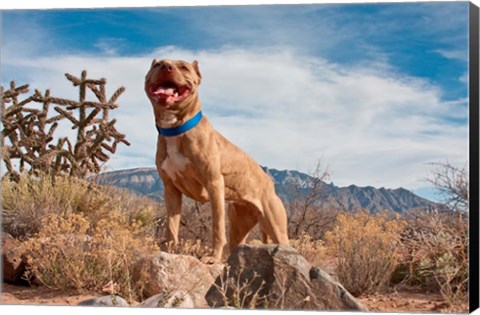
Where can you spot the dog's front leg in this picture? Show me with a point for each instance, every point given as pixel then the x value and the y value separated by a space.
pixel 216 192
pixel 173 203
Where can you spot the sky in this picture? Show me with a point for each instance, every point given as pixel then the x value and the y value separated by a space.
pixel 375 92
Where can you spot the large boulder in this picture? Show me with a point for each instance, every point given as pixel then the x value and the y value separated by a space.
pixel 13 265
pixel 166 273
pixel 278 277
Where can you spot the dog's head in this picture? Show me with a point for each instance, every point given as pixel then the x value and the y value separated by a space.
pixel 172 84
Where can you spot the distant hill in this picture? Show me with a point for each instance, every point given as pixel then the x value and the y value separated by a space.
pixel 289 184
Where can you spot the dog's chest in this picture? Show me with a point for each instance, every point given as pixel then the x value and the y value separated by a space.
pixel 175 163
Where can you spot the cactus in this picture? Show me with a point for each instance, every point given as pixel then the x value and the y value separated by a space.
pixel 28 132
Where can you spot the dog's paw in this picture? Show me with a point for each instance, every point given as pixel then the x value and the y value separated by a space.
pixel 210 260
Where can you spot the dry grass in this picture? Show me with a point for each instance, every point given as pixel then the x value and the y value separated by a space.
pixel 79 236
pixel 30 199
pixel 71 254
pixel 365 248
pixel 313 250
pixel 237 292
pixel 188 247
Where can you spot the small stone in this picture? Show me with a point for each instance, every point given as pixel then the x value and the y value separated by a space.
pixel 173 299
pixel 107 300
pixel 13 264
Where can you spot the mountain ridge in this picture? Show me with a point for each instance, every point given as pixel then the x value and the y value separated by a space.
pixel 289 184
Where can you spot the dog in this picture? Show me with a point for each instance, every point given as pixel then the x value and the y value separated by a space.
pixel 195 160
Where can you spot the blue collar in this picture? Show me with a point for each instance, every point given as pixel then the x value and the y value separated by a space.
pixel 175 131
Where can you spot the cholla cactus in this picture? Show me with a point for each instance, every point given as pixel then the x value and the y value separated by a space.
pixel 28 132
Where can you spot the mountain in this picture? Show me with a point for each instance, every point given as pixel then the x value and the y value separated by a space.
pixel 289 185
pixel 143 181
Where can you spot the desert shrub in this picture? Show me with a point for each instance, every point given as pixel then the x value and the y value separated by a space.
pixel 435 256
pixel 102 200
pixel 80 236
pixel 72 254
pixel 32 197
pixel 313 250
pixel 365 247
pixel 26 201
pixel 435 244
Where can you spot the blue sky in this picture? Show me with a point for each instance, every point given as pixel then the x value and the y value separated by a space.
pixel 415 38
pixel 376 91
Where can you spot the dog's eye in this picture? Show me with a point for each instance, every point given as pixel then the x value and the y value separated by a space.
pixel 184 68
pixel 155 63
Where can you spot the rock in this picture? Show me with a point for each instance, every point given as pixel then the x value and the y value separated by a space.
pixel 333 292
pixel 163 272
pixel 215 270
pixel 278 277
pixel 174 299
pixel 107 300
pixel 13 264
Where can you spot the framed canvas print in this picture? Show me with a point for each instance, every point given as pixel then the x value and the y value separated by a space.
pixel 303 156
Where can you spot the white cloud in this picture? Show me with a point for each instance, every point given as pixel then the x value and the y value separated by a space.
pixel 370 126
pixel 461 55
pixel 464 78
pixel 109 46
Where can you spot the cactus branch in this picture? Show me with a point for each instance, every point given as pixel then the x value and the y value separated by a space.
pixel 28 133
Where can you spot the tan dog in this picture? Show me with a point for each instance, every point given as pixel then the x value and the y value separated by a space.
pixel 203 165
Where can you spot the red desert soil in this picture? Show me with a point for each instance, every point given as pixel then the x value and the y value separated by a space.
pixel 391 302
pixel 12 294
pixel 406 301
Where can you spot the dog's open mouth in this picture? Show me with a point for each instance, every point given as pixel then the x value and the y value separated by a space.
pixel 169 92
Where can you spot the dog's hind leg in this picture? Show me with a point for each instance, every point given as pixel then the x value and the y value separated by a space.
pixel 243 218
pixel 274 220
pixel 264 234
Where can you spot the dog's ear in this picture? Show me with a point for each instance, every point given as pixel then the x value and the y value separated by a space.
pixel 153 63
pixel 197 69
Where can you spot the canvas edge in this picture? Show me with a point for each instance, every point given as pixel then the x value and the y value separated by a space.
pixel 474 157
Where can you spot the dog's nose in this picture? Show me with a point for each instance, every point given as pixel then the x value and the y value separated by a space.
pixel 166 67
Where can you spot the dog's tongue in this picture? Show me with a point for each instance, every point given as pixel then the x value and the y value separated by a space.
pixel 166 91
pixel 169 94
